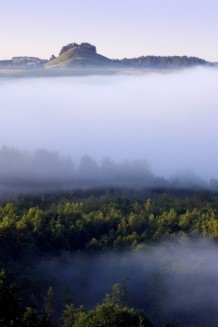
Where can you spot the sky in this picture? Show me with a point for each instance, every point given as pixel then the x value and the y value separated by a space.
pixel 117 28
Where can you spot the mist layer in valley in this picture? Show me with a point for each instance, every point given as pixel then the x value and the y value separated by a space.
pixel 167 121
pixel 171 281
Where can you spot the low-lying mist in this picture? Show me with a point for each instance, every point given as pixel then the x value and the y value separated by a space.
pixel 175 280
pixel 167 119
pixel 45 171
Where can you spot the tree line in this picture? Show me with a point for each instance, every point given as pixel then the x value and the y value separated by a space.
pixel 47 171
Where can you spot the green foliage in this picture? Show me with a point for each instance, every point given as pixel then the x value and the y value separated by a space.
pixel 110 315
pixel 32 226
pixel 118 296
pixel 112 312
pixel 71 315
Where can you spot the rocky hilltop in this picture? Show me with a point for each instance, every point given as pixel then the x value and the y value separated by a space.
pixel 78 55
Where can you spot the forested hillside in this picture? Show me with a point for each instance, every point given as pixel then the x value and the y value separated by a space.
pixel 39 234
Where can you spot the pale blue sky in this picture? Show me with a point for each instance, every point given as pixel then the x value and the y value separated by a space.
pixel 117 28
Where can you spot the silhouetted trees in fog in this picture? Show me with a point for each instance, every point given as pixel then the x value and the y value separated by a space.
pixel 47 171
pixel 112 312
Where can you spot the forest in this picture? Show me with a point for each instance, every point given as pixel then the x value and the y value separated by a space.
pixel 56 250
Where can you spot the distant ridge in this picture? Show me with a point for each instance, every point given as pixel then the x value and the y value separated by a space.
pixel 85 55
pixel 84 58
pixel 163 62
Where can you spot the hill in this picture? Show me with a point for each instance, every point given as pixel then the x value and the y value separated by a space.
pixel 75 55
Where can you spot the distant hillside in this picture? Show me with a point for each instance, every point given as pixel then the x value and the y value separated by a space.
pixel 162 62
pixel 84 55
pixel 23 63
pixel 75 55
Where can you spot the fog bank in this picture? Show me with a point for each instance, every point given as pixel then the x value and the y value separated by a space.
pixel 168 119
